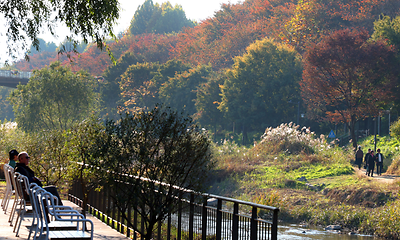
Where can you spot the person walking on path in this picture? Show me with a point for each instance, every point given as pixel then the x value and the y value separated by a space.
pixel 359 157
pixel 371 164
pixel 379 162
pixel 366 160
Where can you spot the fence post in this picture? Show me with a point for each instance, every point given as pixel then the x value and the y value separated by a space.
pixel 191 216
pixel 235 222
pixel 135 223
pixel 253 224
pixel 128 231
pixel 218 228
pixel 204 220
pixel 274 228
pixel 179 221
pixel 169 226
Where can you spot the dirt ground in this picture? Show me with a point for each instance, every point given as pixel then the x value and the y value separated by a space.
pixel 384 178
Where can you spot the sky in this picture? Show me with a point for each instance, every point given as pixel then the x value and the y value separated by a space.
pixel 197 10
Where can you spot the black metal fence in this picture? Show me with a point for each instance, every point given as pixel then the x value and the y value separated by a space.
pixel 214 217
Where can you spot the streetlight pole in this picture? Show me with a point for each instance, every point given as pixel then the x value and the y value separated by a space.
pixel 298 113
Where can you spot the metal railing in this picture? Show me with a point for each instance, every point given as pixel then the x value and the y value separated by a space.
pixel 15 74
pixel 213 217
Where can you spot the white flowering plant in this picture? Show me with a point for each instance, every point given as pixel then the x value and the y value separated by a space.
pixel 289 138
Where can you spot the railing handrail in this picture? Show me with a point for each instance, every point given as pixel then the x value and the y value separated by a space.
pixel 255 224
pixel 198 193
pixel 15 74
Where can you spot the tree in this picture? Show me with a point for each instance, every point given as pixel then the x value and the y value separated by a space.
pixel 136 86
pixel 387 29
pixel 347 78
pixel 179 92
pixel 54 98
pixel 150 18
pixel 47 151
pixel 43 46
pixel 141 83
pixel 260 84
pixel 25 20
pixel 149 148
pixel 82 154
pixel 208 96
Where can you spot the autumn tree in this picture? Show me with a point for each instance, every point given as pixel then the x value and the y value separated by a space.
pixel 388 29
pixel 140 84
pixel 54 98
pixel 347 78
pixel 260 85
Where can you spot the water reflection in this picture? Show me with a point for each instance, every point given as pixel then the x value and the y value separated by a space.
pixel 293 232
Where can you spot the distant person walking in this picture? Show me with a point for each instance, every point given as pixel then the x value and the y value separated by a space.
pixel 379 162
pixel 359 157
pixel 371 164
pixel 366 160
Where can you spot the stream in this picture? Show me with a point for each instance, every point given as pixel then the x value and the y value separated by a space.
pixel 293 232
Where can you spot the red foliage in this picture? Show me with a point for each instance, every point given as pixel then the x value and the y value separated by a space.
pixel 218 39
pixel 346 78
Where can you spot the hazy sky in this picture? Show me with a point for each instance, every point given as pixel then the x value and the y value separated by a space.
pixel 195 10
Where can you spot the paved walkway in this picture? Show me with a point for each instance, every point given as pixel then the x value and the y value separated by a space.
pixel 101 230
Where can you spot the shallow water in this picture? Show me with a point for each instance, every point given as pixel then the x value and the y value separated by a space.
pixel 293 232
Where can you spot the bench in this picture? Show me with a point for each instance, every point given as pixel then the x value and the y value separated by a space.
pixel 63 215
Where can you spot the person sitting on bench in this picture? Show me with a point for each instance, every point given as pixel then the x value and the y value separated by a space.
pixel 22 168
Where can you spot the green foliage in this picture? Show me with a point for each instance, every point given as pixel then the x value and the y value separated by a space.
pixel 150 18
pixel 11 137
pixel 89 20
pixel 6 111
pixel 143 84
pixel 206 102
pixel 43 46
pixel 110 92
pixel 155 146
pixel 179 92
pixel 260 84
pixel 54 98
pixel 395 129
pixel 48 156
pixel 82 154
pixel 387 29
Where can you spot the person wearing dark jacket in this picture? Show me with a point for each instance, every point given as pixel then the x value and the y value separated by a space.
pixel 371 164
pixel 379 162
pixel 359 157
pixel 366 160
pixel 23 168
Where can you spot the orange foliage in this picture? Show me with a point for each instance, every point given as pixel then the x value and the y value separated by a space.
pixel 218 39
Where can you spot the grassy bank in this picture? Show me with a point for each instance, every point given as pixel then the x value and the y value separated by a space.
pixel 311 180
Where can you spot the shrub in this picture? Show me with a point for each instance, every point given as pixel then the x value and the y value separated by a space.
pixel 288 138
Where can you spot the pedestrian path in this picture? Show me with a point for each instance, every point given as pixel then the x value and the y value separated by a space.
pixel 101 230
pixel 386 178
